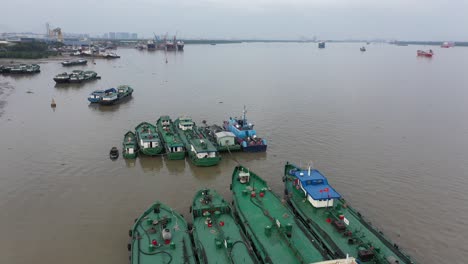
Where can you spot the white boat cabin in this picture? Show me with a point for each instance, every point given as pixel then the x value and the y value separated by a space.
pixel 203 154
pixel 244 177
pixel 185 123
pixel 225 138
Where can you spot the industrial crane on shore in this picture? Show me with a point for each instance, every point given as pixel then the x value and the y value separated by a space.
pixel 55 33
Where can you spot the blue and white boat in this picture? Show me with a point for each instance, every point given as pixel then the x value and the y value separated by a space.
pixel 246 136
pixel 96 96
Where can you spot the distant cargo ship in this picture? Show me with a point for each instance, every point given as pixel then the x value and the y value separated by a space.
pixel 423 53
pixel 447 45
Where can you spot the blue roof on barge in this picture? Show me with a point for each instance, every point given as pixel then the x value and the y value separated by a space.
pixel 316 185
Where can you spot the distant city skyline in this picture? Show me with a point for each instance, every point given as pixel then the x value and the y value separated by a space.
pixel 428 20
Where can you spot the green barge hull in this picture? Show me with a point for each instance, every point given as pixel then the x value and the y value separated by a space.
pixel 129 145
pixel 216 234
pixel 148 139
pixel 160 235
pixel 334 221
pixel 175 149
pixel 276 235
pixel 200 150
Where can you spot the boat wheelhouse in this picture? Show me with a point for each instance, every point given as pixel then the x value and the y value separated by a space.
pixel 221 139
pixel 173 144
pixel 148 139
pixel 96 96
pixel 316 188
pixel 110 97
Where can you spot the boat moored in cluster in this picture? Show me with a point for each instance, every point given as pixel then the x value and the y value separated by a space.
pixel 20 69
pixel 74 62
pixel 329 217
pixel 148 139
pixel 76 76
pixel 216 233
pixel 200 150
pixel 246 136
pixel 173 144
pixel 160 235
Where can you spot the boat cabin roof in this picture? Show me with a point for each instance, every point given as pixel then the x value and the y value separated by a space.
pixel 223 134
pixel 165 118
pixel 316 185
pixel 185 121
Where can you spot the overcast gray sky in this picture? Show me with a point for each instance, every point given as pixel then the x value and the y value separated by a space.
pixel 264 19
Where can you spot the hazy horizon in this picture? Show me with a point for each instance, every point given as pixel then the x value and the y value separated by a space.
pixel 256 19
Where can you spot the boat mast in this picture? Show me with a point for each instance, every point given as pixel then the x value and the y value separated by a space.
pixel 244 120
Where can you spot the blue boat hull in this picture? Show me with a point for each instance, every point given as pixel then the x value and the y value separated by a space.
pixel 255 148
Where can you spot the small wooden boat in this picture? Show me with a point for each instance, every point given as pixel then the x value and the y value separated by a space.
pixel 114 153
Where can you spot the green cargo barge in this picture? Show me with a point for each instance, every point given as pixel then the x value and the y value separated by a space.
pixel 148 139
pixel 216 234
pixel 276 235
pixel 199 149
pixel 330 217
pixel 129 145
pixel 160 235
pixel 173 144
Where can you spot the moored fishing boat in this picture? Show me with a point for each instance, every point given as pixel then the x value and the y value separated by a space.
pixel 129 145
pixel 216 234
pixel 173 144
pixel 221 139
pixel 109 98
pixel 200 150
pixel 276 235
pixel 246 136
pixel 363 48
pixel 116 95
pixel 423 53
pixel 75 62
pixel 148 139
pixel 62 78
pixel 18 68
pixel 160 235
pixel 321 45
pixel 326 214
pixel 96 96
